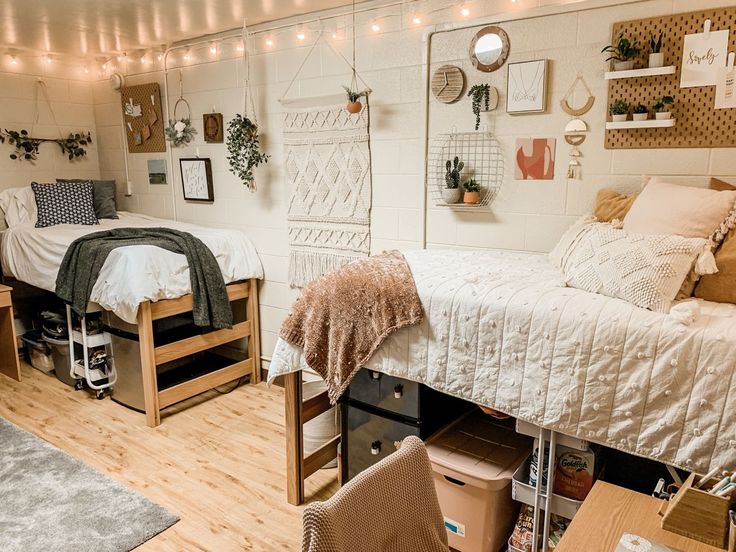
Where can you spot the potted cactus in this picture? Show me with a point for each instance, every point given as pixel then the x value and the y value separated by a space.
pixel 641 112
pixel 622 53
pixel 354 105
pixel 619 111
pixel 472 192
pixel 656 57
pixel 662 108
pixel 452 192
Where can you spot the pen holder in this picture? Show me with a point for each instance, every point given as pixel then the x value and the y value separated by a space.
pixel 699 515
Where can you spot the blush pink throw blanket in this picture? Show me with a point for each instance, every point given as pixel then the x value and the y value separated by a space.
pixel 342 318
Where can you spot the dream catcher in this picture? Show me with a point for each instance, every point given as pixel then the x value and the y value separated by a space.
pixel 180 131
pixel 576 129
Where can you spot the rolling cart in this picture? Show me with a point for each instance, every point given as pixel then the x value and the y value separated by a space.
pixel 96 368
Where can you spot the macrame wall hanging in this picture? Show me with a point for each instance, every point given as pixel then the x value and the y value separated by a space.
pixel 73 146
pixel 575 130
pixel 180 131
pixel 243 143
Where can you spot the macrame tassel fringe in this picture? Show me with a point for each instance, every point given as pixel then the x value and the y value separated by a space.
pixel 305 267
pixel 574 171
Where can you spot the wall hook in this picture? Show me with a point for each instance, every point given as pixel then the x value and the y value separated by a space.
pixel 706 29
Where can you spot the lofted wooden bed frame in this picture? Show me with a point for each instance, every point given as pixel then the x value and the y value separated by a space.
pixel 152 356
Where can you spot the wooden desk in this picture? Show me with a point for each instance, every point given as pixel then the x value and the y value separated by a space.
pixel 9 364
pixel 610 511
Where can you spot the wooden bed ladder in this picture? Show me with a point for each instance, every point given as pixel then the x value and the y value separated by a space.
pixel 152 356
pixel 298 413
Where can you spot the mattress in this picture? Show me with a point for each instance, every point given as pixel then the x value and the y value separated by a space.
pixel 501 330
pixel 130 275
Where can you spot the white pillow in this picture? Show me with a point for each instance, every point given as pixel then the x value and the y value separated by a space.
pixel 19 205
pixel 645 270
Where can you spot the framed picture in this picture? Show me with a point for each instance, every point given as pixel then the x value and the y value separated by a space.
pixel 535 159
pixel 526 87
pixel 157 173
pixel 196 179
pixel 212 124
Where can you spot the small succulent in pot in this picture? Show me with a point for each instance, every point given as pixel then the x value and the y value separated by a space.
pixel 354 105
pixel 662 107
pixel 453 170
pixel 619 110
pixel 656 57
pixel 622 53
pixel 641 112
pixel 472 192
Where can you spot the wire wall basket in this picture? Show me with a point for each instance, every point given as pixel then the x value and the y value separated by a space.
pixel 483 161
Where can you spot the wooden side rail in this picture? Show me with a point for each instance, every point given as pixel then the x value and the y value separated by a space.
pixel 297 413
pixel 152 356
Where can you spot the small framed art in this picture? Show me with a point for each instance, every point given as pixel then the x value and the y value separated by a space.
pixel 196 179
pixel 212 124
pixel 526 88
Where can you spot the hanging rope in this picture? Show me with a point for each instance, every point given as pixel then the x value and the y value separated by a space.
pixel 41 85
pixel 247 92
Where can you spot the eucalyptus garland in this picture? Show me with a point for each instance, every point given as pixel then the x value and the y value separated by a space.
pixel 180 132
pixel 244 149
pixel 26 147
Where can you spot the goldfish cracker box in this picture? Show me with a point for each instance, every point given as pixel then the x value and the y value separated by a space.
pixel 574 472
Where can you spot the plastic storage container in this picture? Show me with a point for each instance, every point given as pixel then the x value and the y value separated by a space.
pixel 474 460
pixel 38 352
pixel 60 354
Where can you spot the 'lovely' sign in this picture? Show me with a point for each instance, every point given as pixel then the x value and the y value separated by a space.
pixel 702 55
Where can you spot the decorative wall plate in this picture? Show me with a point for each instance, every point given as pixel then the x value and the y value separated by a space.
pixel 448 83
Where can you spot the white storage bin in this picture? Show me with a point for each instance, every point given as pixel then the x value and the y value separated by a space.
pixel 38 351
pixel 474 461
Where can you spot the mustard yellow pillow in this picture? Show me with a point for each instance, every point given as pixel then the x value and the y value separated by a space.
pixel 610 205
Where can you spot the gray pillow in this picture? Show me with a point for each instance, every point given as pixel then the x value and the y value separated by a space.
pixel 64 203
pixel 104 200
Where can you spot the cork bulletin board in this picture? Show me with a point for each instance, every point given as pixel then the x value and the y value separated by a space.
pixel 698 123
pixel 144 121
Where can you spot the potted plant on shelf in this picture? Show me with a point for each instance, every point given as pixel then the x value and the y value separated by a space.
pixel 472 192
pixel 641 112
pixel 354 105
pixel 479 93
pixel 656 57
pixel 452 192
pixel 619 111
pixel 622 54
pixel 663 108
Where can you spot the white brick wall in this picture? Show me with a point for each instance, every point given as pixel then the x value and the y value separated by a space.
pixel 525 216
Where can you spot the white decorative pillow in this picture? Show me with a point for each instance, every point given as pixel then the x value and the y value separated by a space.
pixel 645 270
pixel 18 205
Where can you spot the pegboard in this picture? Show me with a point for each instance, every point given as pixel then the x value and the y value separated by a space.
pixel 148 98
pixel 698 124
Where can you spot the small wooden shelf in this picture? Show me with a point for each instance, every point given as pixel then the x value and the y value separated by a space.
pixel 636 73
pixel 651 123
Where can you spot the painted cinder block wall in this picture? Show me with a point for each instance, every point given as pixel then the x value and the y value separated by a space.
pixel 527 216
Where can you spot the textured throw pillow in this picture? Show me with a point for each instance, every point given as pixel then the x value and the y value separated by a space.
pixel 663 208
pixel 645 270
pixel 64 203
pixel 104 196
pixel 18 206
pixel 611 205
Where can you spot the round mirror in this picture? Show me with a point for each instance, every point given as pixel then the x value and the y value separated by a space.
pixel 489 48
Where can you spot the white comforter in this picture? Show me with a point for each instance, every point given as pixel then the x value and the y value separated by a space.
pixel 131 275
pixel 501 331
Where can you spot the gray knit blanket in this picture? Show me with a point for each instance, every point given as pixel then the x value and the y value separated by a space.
pixel 86 255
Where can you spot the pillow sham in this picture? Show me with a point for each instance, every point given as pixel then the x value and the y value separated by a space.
pixel 64 203
pixel 663 208
pixel 611 205
pixel 645 270
pixel 18 206
pixel 104 196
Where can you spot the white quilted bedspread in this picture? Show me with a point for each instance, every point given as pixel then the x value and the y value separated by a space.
pixel 501 330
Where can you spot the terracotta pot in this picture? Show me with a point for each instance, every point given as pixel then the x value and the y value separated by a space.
pixel 354 107
pixel 451 195
pixel 471 198
pixel 656 60
pixel 663 115
pixel 623 65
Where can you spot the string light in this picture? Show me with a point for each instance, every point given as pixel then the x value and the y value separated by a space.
pixel 13 60
pixel 49 59
pixel 416 20
pixel 300 36
pixel 375 27
pixel 187 55
pixel 213 49
pixel 269 42
pixel 85 69
pixel 240 47
pixel 465 11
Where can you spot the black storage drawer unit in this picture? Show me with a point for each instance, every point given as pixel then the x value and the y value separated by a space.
pixel 379 411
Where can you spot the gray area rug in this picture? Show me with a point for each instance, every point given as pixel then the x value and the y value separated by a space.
pixel 51 502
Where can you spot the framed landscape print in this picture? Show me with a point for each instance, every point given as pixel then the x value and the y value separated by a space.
pixel 526 88
pixel 196 179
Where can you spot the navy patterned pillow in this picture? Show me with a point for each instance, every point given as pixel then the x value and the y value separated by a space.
pixel 64 203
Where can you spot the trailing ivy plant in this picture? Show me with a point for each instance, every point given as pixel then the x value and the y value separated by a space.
pixel 27 148
pixel 244 149
pixel 479 93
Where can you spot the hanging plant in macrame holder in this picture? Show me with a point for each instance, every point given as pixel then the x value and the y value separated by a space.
pixel 244 149
pixel 180 131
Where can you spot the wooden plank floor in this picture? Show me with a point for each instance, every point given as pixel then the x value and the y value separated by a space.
pixel 219 464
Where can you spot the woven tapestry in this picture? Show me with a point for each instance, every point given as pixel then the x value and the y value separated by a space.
pixel 328 166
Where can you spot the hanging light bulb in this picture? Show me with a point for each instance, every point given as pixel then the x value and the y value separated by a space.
pixel 85 69
pixel 269 42
pixel 300 36
pixel 49 59
pixel 375 27
pixel 187 55
pixel 417 20
pixel 240 47
pixel 13 60
pixel 465 11
pixel 213 48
